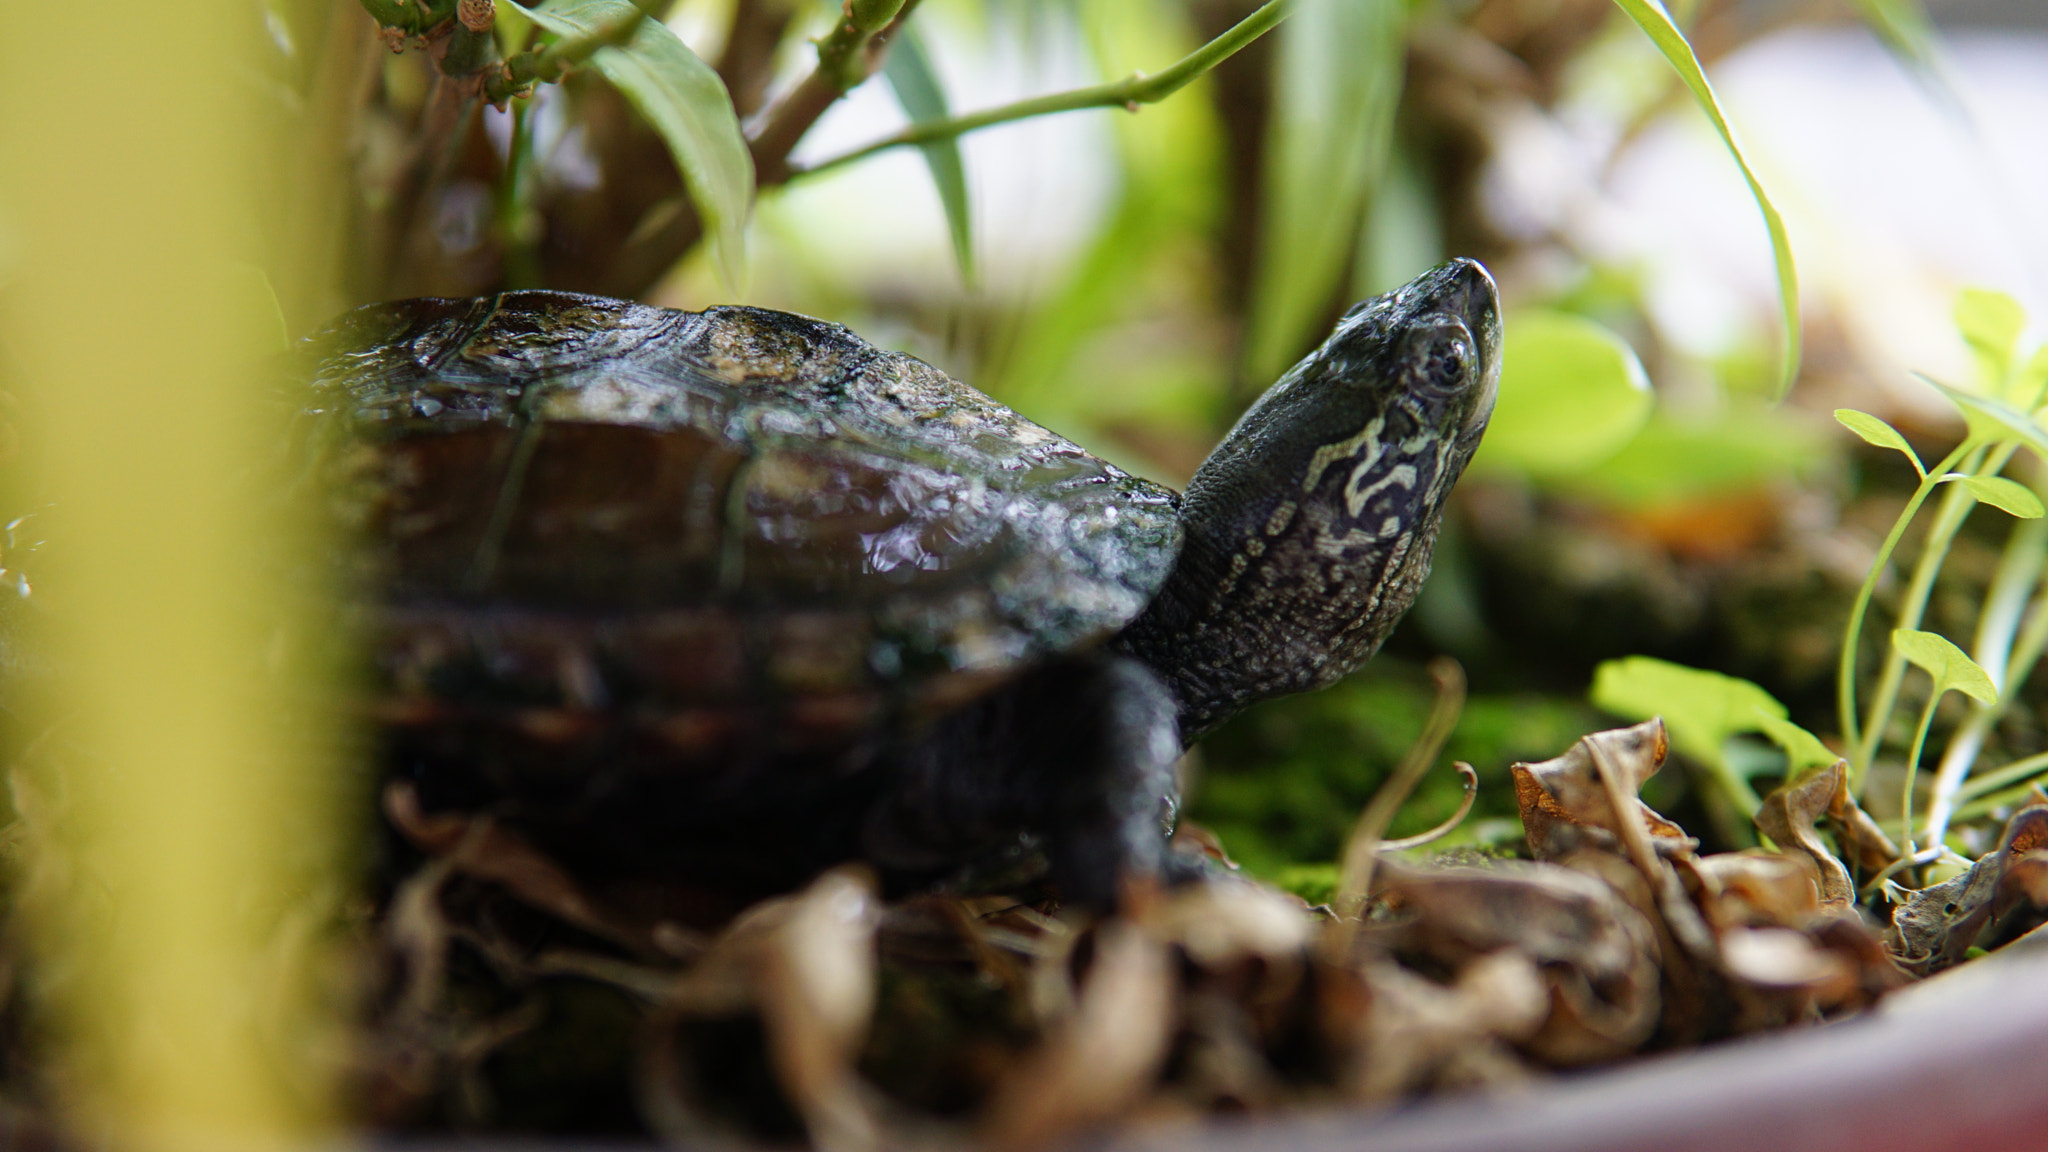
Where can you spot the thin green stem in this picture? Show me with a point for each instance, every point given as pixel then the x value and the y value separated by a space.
pixel 1956 505
pixel 514 196
pixel 1845 682
pixel 548 64
pixel 2015 773
pixel 1129 92
pixel 1913 768
pixel 2007 649
pixel 1989 805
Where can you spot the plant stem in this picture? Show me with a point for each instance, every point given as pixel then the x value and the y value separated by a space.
pixel 2017 772
pixel 1129 92
pixel 1986 805
pixel 514 192
pixel 1362 847
pixel 1956 505
pixel 549 64
pixel 1913 769
pixel 850 53
pixel 2008 663
pixel 1845 683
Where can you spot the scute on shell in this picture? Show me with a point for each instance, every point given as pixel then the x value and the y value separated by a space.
pixel 566 502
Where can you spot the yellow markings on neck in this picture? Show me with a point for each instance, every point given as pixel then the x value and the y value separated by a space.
pixel 1281 517
pixel 1355 497
pixel 1368 437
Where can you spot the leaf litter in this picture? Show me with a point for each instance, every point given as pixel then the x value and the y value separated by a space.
pixel 851 1022
pixel 498 991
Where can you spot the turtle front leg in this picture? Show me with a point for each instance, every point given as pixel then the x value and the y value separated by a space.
pixel 1078 753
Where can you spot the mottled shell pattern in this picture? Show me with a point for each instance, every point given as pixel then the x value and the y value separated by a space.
pixel 720 526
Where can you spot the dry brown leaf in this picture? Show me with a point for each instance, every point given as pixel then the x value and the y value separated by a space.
pixel 1936 926
pixel 1567 790
pixel 1788 815
pixel 817 990
pixel 806 965
pixel 1191 837
pixel 1758 889
pixel 481 847
pixel 1101 1059
pixel 1782 960
pixel 1862 950
pixel 1865 844
pixel 1598 954
pixel 1420 1033
pixel 1227 920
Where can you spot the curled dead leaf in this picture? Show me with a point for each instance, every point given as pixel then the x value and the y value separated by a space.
pixel 1226 920
pixel 805 965
pixel 1781 959
pixel 1759 889
pixel 481 847
pixel 1938 925
pixel 1597 953
pixel 1421 1034
pixel 1103 1057
pixel 1568 790
pixel 1788 816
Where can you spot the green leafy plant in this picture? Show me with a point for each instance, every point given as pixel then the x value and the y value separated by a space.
pixel 1572 394
pixel 2002 415
pixel 1329 146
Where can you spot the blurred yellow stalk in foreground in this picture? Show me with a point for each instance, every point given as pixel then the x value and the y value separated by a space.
pixel 177 761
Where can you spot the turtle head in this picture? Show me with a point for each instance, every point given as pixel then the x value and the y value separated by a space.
pixel 1308 531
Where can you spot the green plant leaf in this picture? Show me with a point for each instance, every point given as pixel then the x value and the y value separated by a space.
pixel 1948 664
pixel 2032 379
pixel 1572 393
pixel 1904 28
pixel 2005 495
pixel 1169 161
pixel 916 84
pixel 687 104
pixel 1802 748
pixel 1701 709
pixel 1879 433
pixel 1993 421
pixel 1674 460
pixel 1990 322
pixel 1656 23
pixel 1337 82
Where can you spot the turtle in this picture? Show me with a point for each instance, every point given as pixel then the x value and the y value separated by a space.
pixel 730 596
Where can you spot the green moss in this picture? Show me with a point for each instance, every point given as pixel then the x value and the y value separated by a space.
pixel 1315 883
pixel 1282 784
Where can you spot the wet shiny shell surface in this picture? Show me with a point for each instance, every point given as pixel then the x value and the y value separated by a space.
pixel 724 526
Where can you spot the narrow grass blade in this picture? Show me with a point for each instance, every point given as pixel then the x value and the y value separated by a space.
pixel 1337 82
pixel 1656 24
pixel 916 84
pixel 685 101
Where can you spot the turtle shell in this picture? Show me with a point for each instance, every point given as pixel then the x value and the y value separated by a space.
pixel 726 529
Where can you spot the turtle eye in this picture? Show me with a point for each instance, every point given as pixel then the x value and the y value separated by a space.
pixel 1438 352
